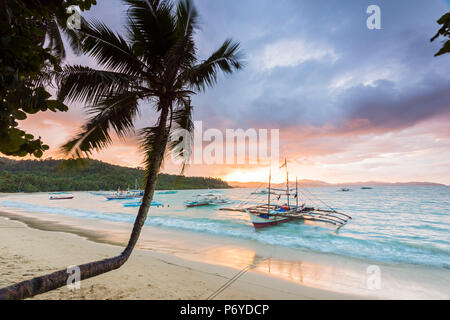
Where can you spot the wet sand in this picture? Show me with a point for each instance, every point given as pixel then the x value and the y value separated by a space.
pixel 26 252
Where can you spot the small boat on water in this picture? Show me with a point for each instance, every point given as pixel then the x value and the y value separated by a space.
pixel 139 203
pixel 207 199
pixel 269 213
pixel 366 188
pixel 344 189
pixel 167 192
pixel 125 195
pixel 61 196
pixel 261 192
pixel 97 193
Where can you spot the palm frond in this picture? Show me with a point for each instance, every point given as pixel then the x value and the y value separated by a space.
pixel 109 49
pixel 183 53
pixel 227 58
pixel 115 112
pixel 150 143
pixel 84 84
pixel 182 115
pixel 72 35
pixel 151 26
pixel 180 144
pixel 187 17
pixel 55 42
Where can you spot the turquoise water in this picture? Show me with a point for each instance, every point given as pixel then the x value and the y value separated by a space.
pixel 390 224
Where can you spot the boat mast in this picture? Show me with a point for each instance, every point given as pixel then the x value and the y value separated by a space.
pixel 287 182
pixel 268 196
pixel 296 192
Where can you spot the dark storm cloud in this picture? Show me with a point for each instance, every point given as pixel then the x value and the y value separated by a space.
pixel 388 69
pixel 389 107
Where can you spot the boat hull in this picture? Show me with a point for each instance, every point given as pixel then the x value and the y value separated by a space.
pixel 122 198
pixel 61 198
pixel 167 192
pixel 260 221
pixel 198 205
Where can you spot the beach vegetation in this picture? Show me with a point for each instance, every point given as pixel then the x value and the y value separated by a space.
pixel 52 175
pixel 32 49
pixel 445 32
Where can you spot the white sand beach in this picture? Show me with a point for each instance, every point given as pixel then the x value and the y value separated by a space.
pixel 27 252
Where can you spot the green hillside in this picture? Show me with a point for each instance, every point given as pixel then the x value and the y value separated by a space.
pixel 55 175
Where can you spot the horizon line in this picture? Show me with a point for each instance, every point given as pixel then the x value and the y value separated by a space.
pixel 230 181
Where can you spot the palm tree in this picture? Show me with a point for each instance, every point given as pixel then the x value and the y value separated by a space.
pixel 156 63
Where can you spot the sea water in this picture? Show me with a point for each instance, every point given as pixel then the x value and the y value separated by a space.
pixel 397 225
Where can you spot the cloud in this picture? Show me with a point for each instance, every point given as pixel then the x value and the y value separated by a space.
pixel 386 106
pixel 291 53
pixel 347 100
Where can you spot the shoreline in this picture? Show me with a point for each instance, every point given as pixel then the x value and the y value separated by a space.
pixel 328 275
pixel 24 254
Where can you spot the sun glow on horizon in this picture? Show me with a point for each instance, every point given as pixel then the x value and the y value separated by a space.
pixel 256 175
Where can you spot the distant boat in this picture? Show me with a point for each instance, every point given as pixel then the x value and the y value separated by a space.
pixel 366 188
pixel 261 192
pixel 167 192
pixel 61 196
pixel 139 203
pixel 344 189
pixel 125 195
pixel 207 199
pixel 97 193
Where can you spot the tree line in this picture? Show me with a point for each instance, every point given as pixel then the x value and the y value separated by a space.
pixel 58 175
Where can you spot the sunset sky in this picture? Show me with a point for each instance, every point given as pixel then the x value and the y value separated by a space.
pixel 352 104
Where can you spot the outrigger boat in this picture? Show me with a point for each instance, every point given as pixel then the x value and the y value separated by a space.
pixel 139 203
pixel 261 192
pixel 95 193
pixel 270 214
pixel 167 192
pixel 206 199
pixel 61 196
pixel 125 195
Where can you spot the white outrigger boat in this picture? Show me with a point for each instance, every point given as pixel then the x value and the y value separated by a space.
pixel 125 195
pixel 207 199
pixel 269 214
pixel 60 196
pixel 261 192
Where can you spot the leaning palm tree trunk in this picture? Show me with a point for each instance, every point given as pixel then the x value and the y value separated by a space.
pixel 59 278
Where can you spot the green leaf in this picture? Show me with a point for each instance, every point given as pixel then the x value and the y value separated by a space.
pixel 19 115
pixel 38 153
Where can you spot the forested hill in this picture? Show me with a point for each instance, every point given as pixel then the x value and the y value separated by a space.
pixel 55 175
